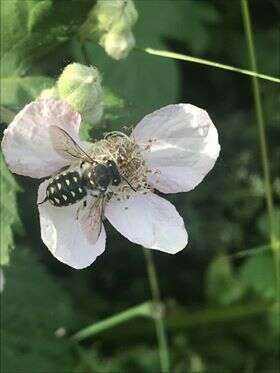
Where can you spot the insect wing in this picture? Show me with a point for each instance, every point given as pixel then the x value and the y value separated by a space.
pixel 91 219
pixel 67 147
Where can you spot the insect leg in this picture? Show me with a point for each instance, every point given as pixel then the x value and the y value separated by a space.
pixel 44 200
pixel 80 208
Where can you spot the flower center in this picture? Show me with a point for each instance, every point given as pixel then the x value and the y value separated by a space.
pixel 125 152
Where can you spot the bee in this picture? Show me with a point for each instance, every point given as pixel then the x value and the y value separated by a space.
pixel 92 178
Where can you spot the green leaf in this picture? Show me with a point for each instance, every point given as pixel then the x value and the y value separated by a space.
pixel 258 273
pixel 6 115
pixel 222 286
pixel 9 214
pixel 31 29
pixel 144 82
pixel 263 224
pixel 273 318
pixel 21 90
pixel 36 311
pixel 186 21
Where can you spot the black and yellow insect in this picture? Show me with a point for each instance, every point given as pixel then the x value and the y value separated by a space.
pixel 70 187
pixel 89 178
pixel 66 189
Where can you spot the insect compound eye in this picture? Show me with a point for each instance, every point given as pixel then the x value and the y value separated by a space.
pixel 116 181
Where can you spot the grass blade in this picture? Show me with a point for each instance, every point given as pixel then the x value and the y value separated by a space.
pixel 184 57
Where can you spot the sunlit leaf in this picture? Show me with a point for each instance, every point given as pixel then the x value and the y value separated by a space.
pixel 32 29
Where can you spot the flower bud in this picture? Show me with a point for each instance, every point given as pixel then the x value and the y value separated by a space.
pixel 115 13
pixel 80 86
pixel 118 45
pixel 115 19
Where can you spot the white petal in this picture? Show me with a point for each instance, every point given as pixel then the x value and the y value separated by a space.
pixel 150 221
pixel 63 235
pixel 26 143
pixel 183 145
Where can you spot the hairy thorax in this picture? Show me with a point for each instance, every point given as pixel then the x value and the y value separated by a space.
pixel 128 157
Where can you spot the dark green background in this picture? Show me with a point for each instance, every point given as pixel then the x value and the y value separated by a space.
pixel 218 307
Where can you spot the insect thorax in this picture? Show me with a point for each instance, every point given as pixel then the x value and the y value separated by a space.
pixel 66 189
pixel 101 176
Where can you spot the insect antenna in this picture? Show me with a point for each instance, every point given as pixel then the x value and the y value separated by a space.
pixel 128 183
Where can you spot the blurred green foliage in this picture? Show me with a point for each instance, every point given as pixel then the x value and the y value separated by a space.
pixel 222 314
pixel 35 309
pixel 9 214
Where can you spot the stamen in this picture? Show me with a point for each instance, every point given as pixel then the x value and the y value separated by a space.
pixel 127 155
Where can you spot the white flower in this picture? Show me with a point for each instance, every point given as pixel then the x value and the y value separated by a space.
pixel 170 150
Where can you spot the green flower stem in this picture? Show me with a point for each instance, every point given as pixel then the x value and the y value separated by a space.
pixel 85 54
pixel 82 52
pixel 222 314
pixel 180 320
pixel 158 312
pixel 142 310
pixel 274 240
pixel 183 57
pixel 261 128
pixel 250 252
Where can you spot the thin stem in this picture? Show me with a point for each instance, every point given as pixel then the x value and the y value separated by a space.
pixel 275 245
pixel 182 320
pixel 250 252
pixel 158 312
pixel 81 50
pixel 261 128
pixel 85 54
pixel 142 310
pixel 202 61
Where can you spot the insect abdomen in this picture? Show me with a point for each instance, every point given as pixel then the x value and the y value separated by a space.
pixel 66 189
